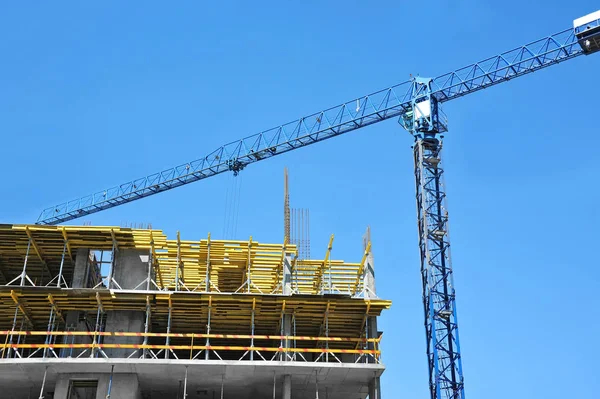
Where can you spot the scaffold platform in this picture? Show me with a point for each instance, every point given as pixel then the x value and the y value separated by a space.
pixel 104 294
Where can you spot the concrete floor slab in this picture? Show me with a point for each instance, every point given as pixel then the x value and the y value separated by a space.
pixel 21 378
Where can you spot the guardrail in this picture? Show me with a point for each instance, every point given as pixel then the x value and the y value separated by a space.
pixel 366 349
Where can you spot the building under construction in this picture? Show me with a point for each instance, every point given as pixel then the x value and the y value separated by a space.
pixel 97 312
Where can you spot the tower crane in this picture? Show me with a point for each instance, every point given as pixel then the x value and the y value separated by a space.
pixel 417 105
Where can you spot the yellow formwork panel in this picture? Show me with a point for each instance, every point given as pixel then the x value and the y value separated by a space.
pixel 233 265
pixel 230 313
pixel 244 278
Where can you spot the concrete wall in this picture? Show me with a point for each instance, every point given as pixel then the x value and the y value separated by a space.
pixel 81 271
pixel 131 269
pixel 124 386
pixel 73 324
pixel 80 279
pixel 124 321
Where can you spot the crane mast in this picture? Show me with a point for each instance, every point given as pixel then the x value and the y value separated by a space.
pixel 426 122
pixel 441 327
pixel 417 103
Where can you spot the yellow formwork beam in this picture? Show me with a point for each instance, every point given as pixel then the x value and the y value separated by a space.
pixel 56 308
pixel 68 245
pixel 37 250
pixel 230 313
pixel 225 262
pixel 25 312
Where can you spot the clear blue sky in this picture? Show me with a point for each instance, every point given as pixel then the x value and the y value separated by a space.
pixel 92 95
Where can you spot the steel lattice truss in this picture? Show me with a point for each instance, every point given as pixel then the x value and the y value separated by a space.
pixel 443 349
pixel 363 111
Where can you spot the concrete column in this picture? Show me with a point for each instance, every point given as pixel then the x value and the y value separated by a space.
pixel 369 279
pixel 375 389
pixel 372 390
pixel 287 275
pixel 131 269
pixel 372 331
pixel 287 319
pixel 81 271
pixel 287 387
pixel 80 279
pixel 370 292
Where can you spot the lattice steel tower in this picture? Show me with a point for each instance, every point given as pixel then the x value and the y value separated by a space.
pixel 425 122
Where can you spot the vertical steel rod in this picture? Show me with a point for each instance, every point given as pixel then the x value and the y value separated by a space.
pixel 252 339
pixel 96 332
pixel 43 383
pixel 367 345
pixel 308 234
pixel 207 354
pixel 112 266
pixel 296 274
pixel 150 262
pixel 54 326
pixel 168 339
pixel 48 336
pixel 327 335
pixel 178 263
pixel 185 383
pixel 295 340
pixel 146 326
pixel 24 273
pixel 281 357
pixel 12 330
pixel 249 265
pixel 329 275
pixel 301 235
pixel 20 336
pixel 207 280
pixel 110 381
pixel 62 262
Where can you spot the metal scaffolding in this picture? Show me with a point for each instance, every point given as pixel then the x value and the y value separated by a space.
pixel 207 299
pixel 206 265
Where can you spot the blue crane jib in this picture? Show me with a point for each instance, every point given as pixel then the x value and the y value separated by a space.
pixel 391 102
pixel 417 104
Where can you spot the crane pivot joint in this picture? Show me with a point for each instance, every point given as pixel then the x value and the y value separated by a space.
pixel 424 118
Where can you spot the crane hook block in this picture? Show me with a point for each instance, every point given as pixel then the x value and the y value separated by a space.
pixel 587 30
pixel 235 166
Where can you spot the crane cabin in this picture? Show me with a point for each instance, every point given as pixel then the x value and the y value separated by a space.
pixel 587 30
